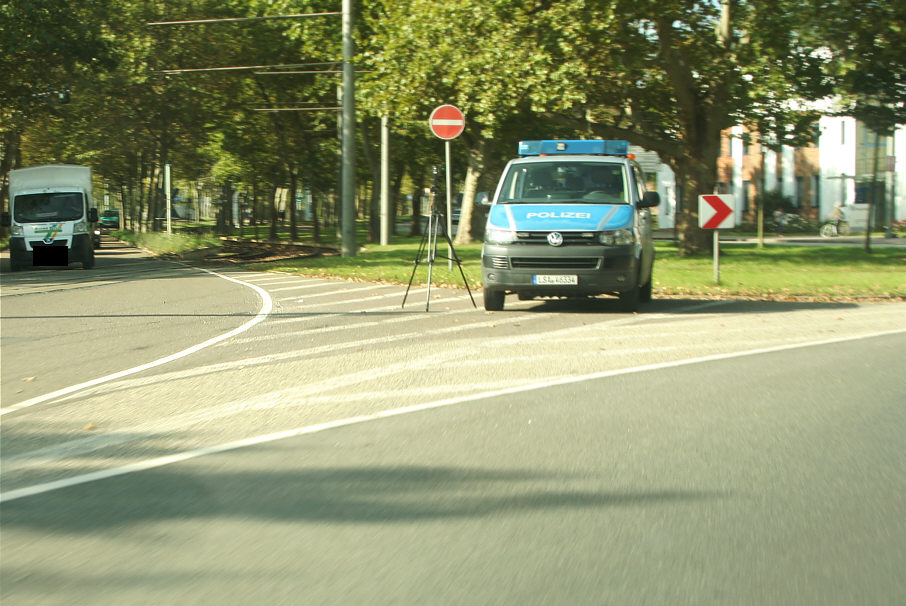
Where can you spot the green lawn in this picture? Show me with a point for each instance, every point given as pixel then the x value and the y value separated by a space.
pixel 745 271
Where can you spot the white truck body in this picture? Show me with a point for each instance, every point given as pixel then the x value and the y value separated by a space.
pixel 51 216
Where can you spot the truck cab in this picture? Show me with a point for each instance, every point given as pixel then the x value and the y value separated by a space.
pixel 51 217
pixel 569 218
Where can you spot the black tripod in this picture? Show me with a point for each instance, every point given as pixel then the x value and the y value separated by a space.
pixel 427 253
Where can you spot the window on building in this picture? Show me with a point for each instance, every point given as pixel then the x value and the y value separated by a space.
pixel 745 195
pixel 800 192
pixel 816 191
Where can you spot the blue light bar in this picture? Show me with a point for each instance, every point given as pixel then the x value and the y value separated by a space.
pixel 609 147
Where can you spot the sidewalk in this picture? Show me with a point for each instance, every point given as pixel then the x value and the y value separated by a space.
pixel 795 239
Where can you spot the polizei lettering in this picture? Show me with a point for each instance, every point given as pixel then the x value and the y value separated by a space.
pixel 564 214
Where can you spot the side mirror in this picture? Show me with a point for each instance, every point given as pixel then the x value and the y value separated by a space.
pixel 92 215
pixel 483 198
pixel 650 199
pixel 5 220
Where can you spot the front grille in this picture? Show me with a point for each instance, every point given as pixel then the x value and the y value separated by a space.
pixel 570 238
pixel 555 262
pixel 36 243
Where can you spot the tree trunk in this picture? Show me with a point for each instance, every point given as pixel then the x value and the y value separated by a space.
pixel 273 213
pixel 416 229
pixel 474 172
pixel 694 179
pixel 293 186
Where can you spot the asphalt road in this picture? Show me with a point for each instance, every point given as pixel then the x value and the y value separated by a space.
pixel 173 436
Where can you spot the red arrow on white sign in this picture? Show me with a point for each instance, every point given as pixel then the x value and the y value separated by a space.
pixel 715 211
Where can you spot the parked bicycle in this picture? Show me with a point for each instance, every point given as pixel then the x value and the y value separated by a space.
pixel 836 225
pixel 832 229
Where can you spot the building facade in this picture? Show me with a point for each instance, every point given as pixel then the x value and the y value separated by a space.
pixel 837 170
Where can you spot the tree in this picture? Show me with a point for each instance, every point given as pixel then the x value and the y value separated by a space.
pixel 45 47
pixel 464 52
pixel 670 76
pixel 866 39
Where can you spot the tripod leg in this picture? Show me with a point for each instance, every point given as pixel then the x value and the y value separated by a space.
pixel 418 256
pixel 455 257
pixel 432 254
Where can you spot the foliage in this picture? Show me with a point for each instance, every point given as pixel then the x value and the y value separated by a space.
pixel 164 243
pixel 669 75
pixel 867 38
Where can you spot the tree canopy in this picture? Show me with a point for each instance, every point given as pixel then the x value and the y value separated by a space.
pixel 110 90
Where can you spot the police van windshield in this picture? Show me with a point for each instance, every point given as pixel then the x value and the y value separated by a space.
pixel 57 206
pixel 555 182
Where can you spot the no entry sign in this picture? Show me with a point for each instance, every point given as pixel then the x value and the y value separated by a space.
pixel 447 122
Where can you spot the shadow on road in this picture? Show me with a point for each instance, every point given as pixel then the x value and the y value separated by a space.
pixel 347 495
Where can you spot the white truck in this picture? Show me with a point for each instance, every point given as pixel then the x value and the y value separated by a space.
pixel 52 218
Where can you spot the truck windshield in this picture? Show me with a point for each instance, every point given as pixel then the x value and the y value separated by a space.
pixel 553 182
pixel 55 206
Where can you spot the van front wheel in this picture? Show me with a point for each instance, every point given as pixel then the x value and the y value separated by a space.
pixel 493 299
pixel 629 299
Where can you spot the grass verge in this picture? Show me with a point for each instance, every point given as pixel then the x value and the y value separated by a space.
pixel 774 272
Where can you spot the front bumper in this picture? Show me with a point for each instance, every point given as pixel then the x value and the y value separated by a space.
pixel 60 252
pixel 598 270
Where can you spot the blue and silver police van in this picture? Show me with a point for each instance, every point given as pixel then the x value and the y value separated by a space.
pixel 569 218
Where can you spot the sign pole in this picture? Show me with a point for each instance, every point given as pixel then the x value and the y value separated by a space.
pixel 447 122
pixel 449 181
pixel 714 212
pixel 716 257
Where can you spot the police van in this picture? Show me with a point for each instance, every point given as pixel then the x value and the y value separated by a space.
pixel 569 218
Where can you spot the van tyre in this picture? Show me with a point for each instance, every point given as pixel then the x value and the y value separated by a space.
pixel 493 299
pixel 645 291
pixel 629 299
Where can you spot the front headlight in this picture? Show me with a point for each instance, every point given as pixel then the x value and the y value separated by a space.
pixel 499 236
pixel 80 228
pixel 617 237
pixel 16 230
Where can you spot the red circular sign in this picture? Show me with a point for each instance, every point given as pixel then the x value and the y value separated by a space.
pixel 447 122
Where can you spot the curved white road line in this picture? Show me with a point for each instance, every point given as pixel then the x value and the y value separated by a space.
pixel 267 305
pixel 187 455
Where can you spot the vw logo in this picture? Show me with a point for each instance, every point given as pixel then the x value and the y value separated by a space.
pixel 555 238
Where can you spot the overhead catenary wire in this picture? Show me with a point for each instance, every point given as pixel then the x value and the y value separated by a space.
pixel 243 19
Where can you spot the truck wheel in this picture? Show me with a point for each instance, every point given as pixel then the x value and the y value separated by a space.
pixel 88 261
pixel 493 299
pixel 15 263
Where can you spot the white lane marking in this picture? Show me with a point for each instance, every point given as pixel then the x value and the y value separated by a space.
pixel 329 293
pixel 291 281
pixel 156 462
pixel 266 307
pixel 306 285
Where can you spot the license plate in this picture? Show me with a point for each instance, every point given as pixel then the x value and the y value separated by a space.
pixel 555 279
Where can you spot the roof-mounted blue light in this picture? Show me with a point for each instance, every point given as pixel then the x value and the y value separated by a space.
pixel 608 147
